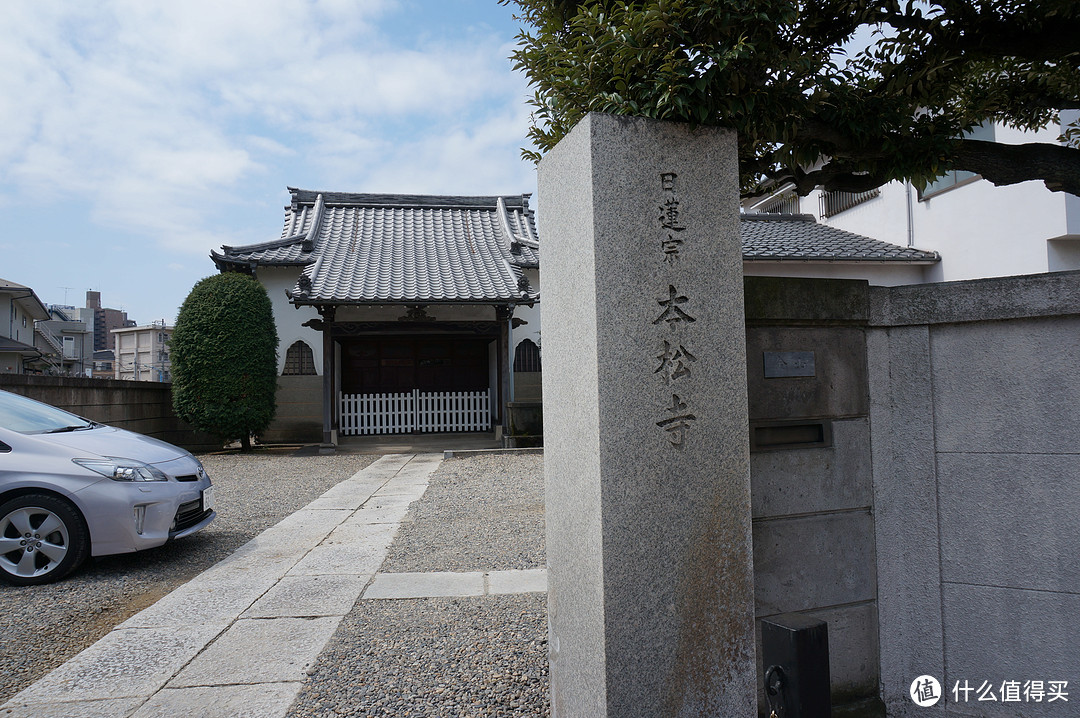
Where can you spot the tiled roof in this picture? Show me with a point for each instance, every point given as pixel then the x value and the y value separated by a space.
pixel 368 248
pixel 377 248
pixel 798 237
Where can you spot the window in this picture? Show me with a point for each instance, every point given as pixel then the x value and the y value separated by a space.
pixel 527 356
pixel 833 203
pixel 299 360
pixel 955 178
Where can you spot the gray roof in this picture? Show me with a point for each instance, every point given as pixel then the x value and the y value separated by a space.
pixel 376 248
pixel 34 306
pixel 798 237
pixel 427 249
pixel 10 346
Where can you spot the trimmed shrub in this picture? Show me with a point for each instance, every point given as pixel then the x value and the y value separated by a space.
pixel 224 358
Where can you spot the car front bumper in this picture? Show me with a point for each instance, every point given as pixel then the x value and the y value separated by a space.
pixel 131 516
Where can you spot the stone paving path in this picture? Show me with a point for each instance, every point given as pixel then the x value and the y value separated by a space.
pixel 239 639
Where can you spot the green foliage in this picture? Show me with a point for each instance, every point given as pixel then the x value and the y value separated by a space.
pixel 807 112
pixel 224 357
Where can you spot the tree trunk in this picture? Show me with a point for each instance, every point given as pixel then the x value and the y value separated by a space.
pixel 245 443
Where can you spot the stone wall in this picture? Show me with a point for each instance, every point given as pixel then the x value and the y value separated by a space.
pixel 141 406
pixel 810 471
pixel 915 486
pixel 299 411
pixel 974 434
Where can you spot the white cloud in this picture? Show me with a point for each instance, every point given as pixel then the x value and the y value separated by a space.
pixel 162 116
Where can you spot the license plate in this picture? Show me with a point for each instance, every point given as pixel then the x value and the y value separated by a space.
pixel 208 499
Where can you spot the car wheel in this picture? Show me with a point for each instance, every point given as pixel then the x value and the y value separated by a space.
pixel 42 538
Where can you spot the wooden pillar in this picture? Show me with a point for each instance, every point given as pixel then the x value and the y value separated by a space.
pixel 502 315
pixel 329 374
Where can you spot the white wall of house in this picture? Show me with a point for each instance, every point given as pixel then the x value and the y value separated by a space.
pixel 142 353
pixel 881 274
pixel 15 321
pixel 76 342
pixel 980 230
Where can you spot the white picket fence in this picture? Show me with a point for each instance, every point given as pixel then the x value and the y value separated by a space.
pixel 425 411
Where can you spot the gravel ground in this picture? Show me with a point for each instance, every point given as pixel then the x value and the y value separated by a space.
pixel 477 656
pixel 479 513
pixel 43 626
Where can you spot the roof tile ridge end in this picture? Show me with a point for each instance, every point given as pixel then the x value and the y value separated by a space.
pixel 316 221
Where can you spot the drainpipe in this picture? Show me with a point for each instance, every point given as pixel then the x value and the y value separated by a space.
pixel 910 216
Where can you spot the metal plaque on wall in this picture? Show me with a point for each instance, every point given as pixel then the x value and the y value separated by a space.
pixel 788 364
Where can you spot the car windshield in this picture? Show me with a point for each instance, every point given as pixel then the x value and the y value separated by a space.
pixel 27 416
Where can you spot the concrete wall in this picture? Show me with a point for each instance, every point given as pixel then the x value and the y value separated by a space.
pixel 974 429
pixel 814 549
pixel 936 524
pixel 144 407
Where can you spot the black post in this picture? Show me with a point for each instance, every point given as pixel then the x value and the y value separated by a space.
pixel 795 654
pixel 329 370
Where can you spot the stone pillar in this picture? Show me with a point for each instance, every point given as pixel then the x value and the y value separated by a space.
pixel 650 599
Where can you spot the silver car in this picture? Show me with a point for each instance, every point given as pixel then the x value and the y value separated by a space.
pixel 72 488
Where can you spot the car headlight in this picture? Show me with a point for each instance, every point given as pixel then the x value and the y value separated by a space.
pixel 123 469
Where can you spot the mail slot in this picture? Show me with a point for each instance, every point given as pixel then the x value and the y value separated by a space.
pixel 791 435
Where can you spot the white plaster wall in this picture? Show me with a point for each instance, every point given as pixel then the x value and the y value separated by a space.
pixel 889 275
pixel 12 326
pixel 530 315
pixel 287 317
pixel 884 217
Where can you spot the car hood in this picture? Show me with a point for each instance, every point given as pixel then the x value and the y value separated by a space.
pixel 119 443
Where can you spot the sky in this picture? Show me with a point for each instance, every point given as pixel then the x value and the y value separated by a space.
pixel 139 136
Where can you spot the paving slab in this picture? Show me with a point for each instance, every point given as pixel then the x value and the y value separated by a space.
pixel 128 662
pixel 426 585
pixel 306 525
pixel 304 596
pixel 259 650
pixel 348 494
pixel 107 708
pixel 209 603
pixel 349 550
pixel 379 515
pixel 523 581
pixel 388 465
pixel 387 497
pixel 257 701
